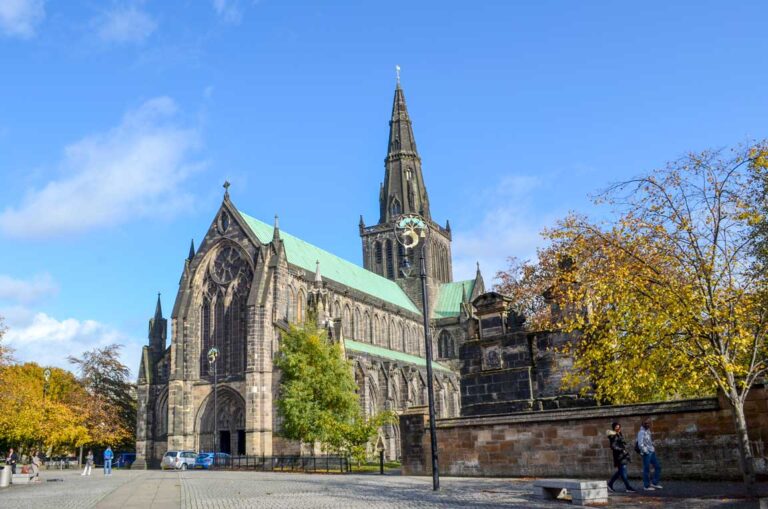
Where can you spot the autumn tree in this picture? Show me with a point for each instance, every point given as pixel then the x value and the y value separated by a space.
pixel 54 419
pixel 670 299
pixel 112 402
pixel 318 401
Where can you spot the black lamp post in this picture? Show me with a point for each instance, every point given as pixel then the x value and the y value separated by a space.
pixel 212 354
pixel 412 230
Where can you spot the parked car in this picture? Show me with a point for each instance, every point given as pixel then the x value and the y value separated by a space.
pixel 125 459
pixel 178 460
pixel 205 459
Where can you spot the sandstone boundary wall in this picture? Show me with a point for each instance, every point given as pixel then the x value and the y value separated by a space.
pixel 695 439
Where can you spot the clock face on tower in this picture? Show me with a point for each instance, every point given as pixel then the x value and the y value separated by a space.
pixel 226 265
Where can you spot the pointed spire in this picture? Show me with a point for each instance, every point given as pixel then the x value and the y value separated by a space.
pixel 362 223
pixel 318 277
pixel 158 309
pixel 276 229
pixel 447 225
pixel 191 250
pixel 478 269
pixel 403 190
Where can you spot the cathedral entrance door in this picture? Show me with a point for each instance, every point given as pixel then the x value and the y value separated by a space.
pixel 230 420
pixel 224 442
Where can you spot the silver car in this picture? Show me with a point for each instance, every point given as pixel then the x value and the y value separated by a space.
pixel 178 460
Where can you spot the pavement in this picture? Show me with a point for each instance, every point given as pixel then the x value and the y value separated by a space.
pixel 236 490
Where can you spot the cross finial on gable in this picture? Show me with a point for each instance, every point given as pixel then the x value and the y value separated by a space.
pixel 226 188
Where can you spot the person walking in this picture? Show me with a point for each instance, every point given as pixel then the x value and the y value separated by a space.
pixel 88 463
pixel 36 462
pixel 648 452
pixel 108 455
pixel 11 460
pixel 621 457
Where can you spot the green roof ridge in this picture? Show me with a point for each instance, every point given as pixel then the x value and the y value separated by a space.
pixel 450 298
pixel 386 353
pixel 305 255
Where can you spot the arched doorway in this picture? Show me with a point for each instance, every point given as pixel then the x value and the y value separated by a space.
pixel 230 422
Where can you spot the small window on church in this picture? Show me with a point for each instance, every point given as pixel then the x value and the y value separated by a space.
pixel 396 209
pixel 377 253
pixel 408 174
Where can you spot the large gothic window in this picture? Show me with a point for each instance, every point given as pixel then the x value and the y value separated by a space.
pixel 445 346
pixel 223 320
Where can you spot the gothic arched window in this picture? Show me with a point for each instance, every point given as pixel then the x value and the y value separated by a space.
pixel 390 261
pixel 300 300
pixel 223 316
pixel 396 208
pixel 445 345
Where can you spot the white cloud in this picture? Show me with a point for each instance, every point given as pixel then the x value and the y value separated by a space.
pixel 131 171
pixel 229 11
pixel 509 227
pixel 125 24
pixel 20 18
pixel 27 291
pixel 37 337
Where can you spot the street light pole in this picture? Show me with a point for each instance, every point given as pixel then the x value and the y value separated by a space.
pixel 430 388
pixel 410 231
pixel 212 354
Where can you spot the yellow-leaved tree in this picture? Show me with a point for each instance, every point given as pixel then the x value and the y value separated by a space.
pixel 670 298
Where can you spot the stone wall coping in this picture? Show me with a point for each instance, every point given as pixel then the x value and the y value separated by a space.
pixel 569 484
pixel 597 412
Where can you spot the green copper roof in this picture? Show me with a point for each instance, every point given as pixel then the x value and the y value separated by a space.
pixel 357 346
pixel 450 298
pixel 304 255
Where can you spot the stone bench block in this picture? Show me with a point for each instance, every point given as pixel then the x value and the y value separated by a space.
pixel 581 492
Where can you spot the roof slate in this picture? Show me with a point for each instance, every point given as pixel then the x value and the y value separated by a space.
pixel 378 351
pixel 303 254
pixel 450 298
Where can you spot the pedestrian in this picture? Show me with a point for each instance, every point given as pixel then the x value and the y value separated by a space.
pixel 108 461
pixel 648 452
pixel 11 460
pixel 36 462
pixel 88 463
pixel 621 457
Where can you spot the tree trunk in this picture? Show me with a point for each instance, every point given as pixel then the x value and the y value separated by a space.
pixel 745 451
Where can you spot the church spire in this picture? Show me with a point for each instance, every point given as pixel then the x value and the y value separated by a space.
pixel 158 309
pixel 403 190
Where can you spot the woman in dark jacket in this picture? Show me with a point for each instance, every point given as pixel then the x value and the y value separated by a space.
pixel 621 457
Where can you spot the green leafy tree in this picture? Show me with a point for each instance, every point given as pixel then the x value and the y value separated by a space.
pixel 112 405
pixel 318 401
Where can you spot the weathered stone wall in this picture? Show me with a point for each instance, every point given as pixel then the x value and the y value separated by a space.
pixel 695 439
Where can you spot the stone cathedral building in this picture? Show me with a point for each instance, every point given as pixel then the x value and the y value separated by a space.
pixel 249 279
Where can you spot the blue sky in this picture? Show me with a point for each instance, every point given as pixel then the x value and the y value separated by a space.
pixel 119 121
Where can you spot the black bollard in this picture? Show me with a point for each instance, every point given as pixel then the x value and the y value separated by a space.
pixel 381 462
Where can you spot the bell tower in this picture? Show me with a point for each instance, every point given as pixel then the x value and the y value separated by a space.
pixel 404 192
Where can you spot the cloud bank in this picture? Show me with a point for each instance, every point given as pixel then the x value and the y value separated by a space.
pixel 27 291
pixel 509 227
pixel 125 24
pixel 20 18
pixel 47 341
pixel 131 171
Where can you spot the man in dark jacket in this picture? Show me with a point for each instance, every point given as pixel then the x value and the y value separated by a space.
pixel 621 457
pixel 11 460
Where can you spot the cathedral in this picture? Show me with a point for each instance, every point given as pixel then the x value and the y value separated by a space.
pixel 248 280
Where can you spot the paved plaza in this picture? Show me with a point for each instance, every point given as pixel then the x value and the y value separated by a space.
pixel 230 490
